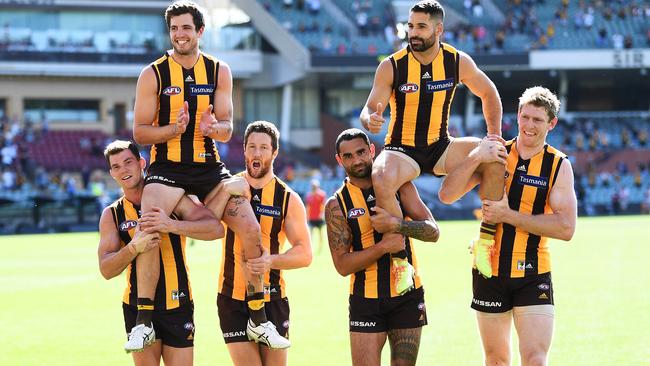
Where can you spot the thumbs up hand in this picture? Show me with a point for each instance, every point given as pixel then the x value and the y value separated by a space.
pixel 208 124
pixel 376 119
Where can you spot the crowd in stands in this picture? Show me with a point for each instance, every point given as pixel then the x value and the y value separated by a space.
pixel 370 25
pixel 542 24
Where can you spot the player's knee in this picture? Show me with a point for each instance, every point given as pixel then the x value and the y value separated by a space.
pixel 496 358
pixel 445 198
pixel 534 358
pixel 384 181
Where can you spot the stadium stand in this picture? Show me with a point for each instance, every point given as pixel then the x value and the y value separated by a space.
pixel 53 175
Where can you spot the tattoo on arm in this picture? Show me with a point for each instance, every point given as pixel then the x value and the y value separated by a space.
pixel 404 345
pixel 250 289
pixel 422 230
pixel 237 202
pixel 338 231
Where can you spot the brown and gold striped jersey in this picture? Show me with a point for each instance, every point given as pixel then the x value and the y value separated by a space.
pixel 270 204
pixel 375 281
pixel 173 288
pixel 177 85
pixel 528 184
pixel 421 98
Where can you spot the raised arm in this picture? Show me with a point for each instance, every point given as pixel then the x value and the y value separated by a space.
pixel 295 227
pixel 113 259
pixel 146 106
pixel 372 114
pixel 422 225
pixel 560 224
pixel 216 123
pixel 479 84
pixel 340 242
pixel 195 221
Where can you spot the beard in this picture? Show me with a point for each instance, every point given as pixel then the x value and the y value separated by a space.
pixel 265 167
pixel 190 50
pixel 362 174
pixel 424 44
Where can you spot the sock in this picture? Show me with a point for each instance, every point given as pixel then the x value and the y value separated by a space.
pixel 145 311
pixel 255 303
pixel 487 231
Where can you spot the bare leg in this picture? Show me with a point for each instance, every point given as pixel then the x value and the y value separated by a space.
pixel 150 356
pixel 148 263
pixel 244 354
pixel 173 356
pixel 389 172
pixel 273 357
pixel 495 335
pixel 535 330
pixel 404 346
pixel 366 348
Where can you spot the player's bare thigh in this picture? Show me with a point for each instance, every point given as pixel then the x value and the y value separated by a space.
pixel 173 356
pixel 244 354
pixel 404 346
pixel 366 348
pixel 161 196
pixel 534 326
pixel 494 329
pixel 273 357
pixel 458 149
pixel 150 356
pixel 393 169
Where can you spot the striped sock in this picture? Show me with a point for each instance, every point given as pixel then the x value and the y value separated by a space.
pixel 487 231
pixel 255 303
pixel 145 311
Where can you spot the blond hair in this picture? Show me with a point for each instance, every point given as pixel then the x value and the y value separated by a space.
pixel 541 97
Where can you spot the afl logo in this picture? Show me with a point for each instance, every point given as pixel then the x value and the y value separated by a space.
pixel 408 88
pixel 128 225
pixel 356 212
pixel 172 90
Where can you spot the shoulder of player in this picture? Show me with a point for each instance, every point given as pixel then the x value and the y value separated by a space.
pixel 553 150
pixel 332 206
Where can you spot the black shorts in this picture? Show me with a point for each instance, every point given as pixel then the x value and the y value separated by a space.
pixel 197 179
pixel 500 294
pixel 426 157
pixel 383 314
pixel 175 328
pixel 233 317
pixel 316 223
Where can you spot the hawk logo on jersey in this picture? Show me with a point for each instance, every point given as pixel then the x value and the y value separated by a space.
pixel 440 85
pixel 128 225
pixel 543 286
pixel 408 88
pixel 201 89
pixel 524 265
pixel 356 212
pixel 172 90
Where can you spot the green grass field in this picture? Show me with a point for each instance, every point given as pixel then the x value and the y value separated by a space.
pixel 58 310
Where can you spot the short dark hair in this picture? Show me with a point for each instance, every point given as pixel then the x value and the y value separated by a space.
pixel 118 146
pixel 431 7
pixel 185 7
pixel 263 127
pixel 349 135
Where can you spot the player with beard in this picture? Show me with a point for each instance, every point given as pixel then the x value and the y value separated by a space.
pixel 183 103
pixel 354 227
pixel 419 82
pixel 282 217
